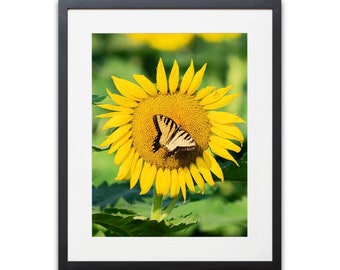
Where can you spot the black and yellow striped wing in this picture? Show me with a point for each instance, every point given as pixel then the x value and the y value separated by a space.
pixel 171 136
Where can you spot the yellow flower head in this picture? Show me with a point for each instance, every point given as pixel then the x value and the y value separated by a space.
pixel 218 37
pixel 166 134
pixel 167 42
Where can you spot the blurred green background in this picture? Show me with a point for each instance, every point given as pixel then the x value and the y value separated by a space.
pixel 222 210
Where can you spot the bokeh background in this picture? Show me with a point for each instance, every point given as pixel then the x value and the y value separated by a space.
pixel 222 210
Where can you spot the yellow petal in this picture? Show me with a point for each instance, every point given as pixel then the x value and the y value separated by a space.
pixel 122 152
pixel 150 179
pixel 188 179
pixel 115 108
pixel 114 146
pixel 187 78
pixel 122 101
pixel 129 89
pixel 159 182
pixel 197 80
pixel 203 92
pixel 173 78
pixel 107 115
pixel 116 135
pixel 224 143
pixel 111 114
pixel 213 165
pixel 147 178
pixel 224 101
pixel 222 134
pixel 197 177
pixel 161 78
pixel 174 189
pixel 128 176
pixel 228 130
pixel 224 118
pixel 146 84
pixel 203 168
pixel 215 96
pixel 136 173
pixel 163 181
pixel 118 120
pixel 134 163
pixel 181 181
pixel 124 169
pixel 166 182
pixel 218 150
pixel 144 173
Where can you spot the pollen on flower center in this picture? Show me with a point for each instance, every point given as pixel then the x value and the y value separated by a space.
pixel 186 112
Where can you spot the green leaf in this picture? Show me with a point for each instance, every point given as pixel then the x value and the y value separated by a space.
pixel 106 196
pixel 141 207
pixel 120 222
pixel 130 226
pixel 99 149
pixel 119 212
pixel 215 215
pixel 224 214
pixel 98 230
pixel 97 98
pixel 235 173
pixel 182 223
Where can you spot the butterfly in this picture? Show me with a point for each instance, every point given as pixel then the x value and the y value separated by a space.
pixel 171 136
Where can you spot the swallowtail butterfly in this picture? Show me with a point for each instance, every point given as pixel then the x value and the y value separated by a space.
pixel 171 136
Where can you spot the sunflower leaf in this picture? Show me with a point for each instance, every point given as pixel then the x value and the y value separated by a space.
pixel 224 215
pixel 129 226
pixel 99 149
pixel 181 228
pixel 182 222
pixel 108 196
pixel 97 98
pixel 141 208
pixel 120 222
pixel 215 216
pixel 119 212
pixel 232 172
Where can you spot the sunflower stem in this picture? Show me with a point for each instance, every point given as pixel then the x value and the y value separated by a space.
pixel 156 207
pixel 169 208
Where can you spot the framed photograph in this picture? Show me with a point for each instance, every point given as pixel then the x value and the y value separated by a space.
pixel 170 134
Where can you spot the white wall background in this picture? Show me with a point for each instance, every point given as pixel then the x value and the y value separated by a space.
pixel 28 166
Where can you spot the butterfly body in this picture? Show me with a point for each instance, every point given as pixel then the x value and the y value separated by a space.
pixel 171 136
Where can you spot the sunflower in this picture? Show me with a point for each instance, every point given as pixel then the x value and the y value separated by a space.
pixel 199 131
pixel 215 37
pixel 166 42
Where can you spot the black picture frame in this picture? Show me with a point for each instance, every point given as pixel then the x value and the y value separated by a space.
pixel 64 6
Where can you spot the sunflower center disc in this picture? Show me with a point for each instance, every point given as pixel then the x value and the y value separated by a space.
pixel 186 112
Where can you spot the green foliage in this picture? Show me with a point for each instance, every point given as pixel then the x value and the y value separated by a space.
pixel 103 169
pixel 97 98
pixel 222 210
pixel 130 225
pixel 99 149
pixel 121 222
pixel 232 172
